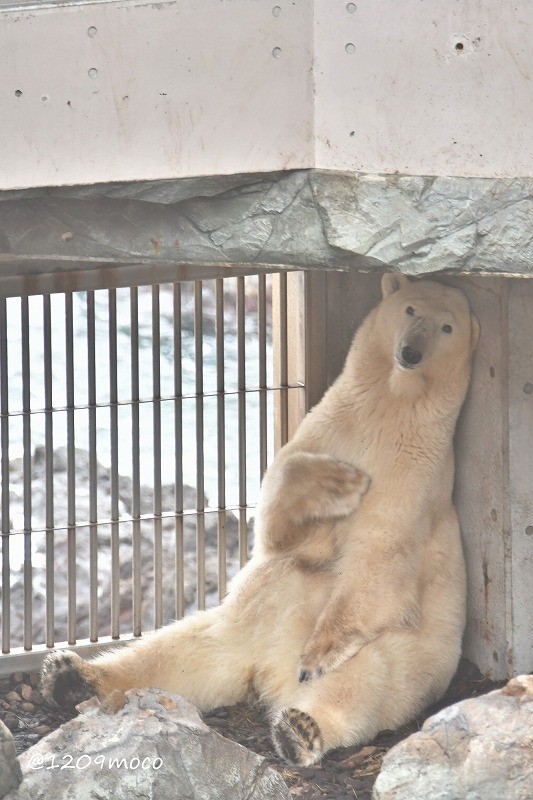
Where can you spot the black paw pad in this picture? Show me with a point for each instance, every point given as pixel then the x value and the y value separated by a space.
pixel 70 689
pixel 297 737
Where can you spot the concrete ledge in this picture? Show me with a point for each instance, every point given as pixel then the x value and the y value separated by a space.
pixel 303 218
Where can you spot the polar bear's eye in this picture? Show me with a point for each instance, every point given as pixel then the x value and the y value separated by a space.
pixel 447 328
pixel 410 310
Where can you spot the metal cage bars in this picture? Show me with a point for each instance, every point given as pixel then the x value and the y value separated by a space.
pixel 91 524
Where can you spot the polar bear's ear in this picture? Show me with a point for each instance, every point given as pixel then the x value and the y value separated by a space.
pixel 391 282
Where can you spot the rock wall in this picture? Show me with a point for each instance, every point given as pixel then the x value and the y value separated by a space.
pixel 305 218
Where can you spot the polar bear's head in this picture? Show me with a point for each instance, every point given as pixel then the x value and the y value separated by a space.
pixel 427 328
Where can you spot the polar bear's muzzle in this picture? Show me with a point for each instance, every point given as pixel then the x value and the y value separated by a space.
pixel 414 343
pixel 410 357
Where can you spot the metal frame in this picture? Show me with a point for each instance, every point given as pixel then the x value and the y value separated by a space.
pixel 285 387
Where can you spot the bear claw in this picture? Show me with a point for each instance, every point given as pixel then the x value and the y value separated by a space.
pixel 308 674
pixel 297 738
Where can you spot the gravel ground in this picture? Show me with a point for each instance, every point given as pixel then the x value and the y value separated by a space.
pixel 343 775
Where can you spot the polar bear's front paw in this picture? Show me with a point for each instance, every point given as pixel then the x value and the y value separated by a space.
pixel 297 737
pixel 325 653
pixel 338 490
pixel 62 679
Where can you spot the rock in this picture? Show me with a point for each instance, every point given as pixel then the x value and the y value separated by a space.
pixel 11 721
pixel 42 730
pixel 26 691
pixel 155 746
pixel 114 702
pixel 480 749
pixel 104 553
pixel 10 772
pixel 301 217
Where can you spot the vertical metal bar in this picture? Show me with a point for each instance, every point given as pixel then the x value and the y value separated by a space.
pixel 178 455
pixel 158 505
pixel 93 471
pixel 262 341
pixel 241 386
pixel 221 438
pixel 71 471
pixel 135 462
pixel 49 470
pixel 26 463
pixel 200 498
pixel 4 471
pixel 113 413
pixel 283 359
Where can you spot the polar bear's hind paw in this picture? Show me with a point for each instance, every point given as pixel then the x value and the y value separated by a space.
pixel 62 682
pixel 297 738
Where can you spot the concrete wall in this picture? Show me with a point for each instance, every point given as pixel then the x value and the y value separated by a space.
pixel 134 90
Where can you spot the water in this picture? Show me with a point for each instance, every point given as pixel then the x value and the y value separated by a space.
pixel 167 356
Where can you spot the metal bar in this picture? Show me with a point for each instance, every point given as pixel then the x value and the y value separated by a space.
pixel 188 512
pixel 241 383
pixel 200 492
pixel 164 398
pixel 135 463
pixel 4 471
pixel 35 275
pixel 158 505
pixel 19 661
pixel 262 342
pixel 221 439
pixel 113 419
pixel 283 360
pixel 178 456
pixel 93 470
pixel 49 470
pixel 27 472
pixel 71 470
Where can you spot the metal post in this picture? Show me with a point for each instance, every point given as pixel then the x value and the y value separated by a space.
pixel 221 439
pixel 71 471
pixel 200 491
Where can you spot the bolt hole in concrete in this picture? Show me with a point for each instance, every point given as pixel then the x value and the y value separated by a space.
pixel 93 73
pixel 92 32
pixel 350 48
pixel 276 11
pixel 459 47
pixel 351 8
pixel 276 52
pixel 18 93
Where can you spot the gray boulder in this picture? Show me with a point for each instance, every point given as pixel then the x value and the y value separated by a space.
pixel 479 749
pixel 10 772
pixel 143 744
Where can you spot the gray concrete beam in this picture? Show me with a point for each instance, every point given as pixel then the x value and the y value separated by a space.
pixel 304 218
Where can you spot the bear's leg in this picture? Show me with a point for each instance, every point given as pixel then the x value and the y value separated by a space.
pixel 199 657
pixel 340 709
pixel 303 489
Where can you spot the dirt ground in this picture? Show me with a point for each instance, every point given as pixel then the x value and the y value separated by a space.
pixel 343 775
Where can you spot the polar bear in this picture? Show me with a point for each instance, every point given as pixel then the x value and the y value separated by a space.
pixel 348 618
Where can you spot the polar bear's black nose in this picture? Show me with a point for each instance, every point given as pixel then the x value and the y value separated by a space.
pixel 411 356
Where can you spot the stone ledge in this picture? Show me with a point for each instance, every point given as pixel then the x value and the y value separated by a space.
pixel 304 218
